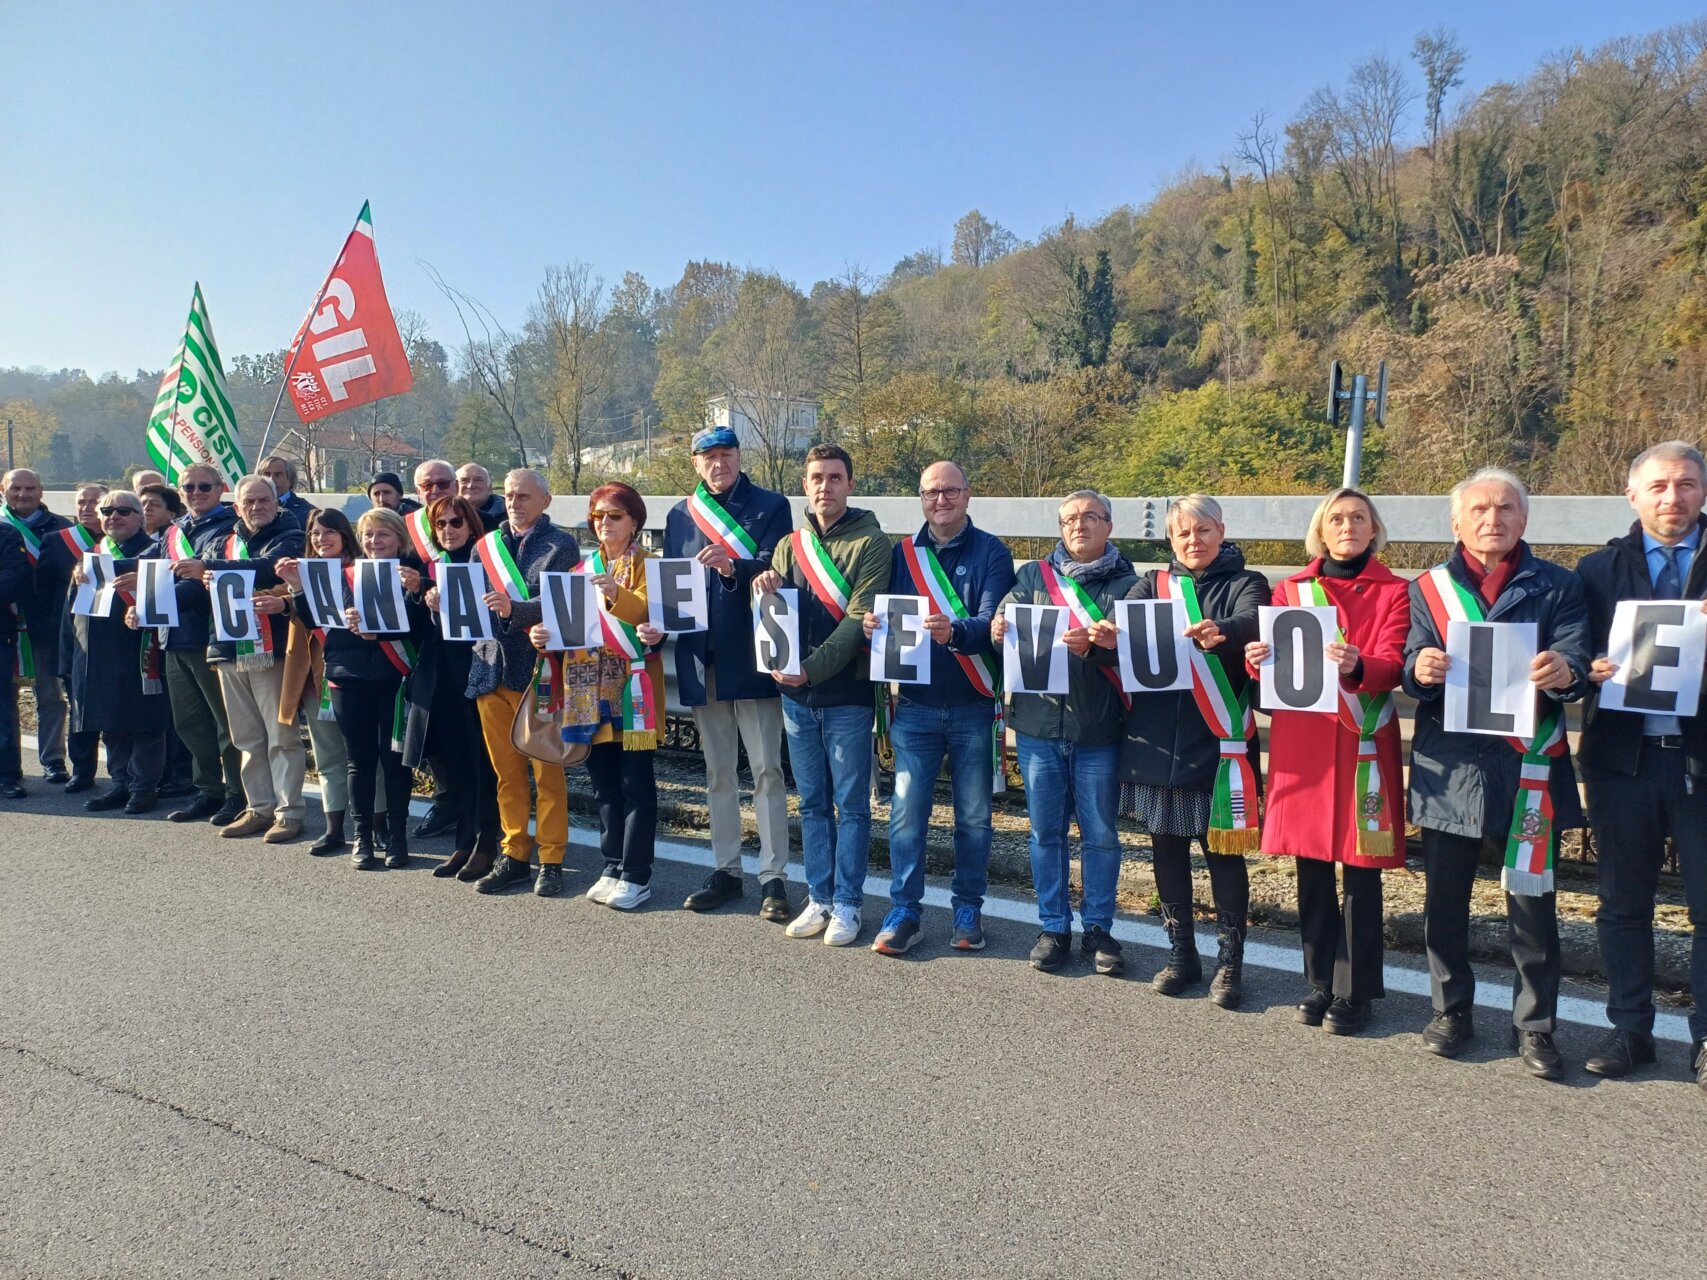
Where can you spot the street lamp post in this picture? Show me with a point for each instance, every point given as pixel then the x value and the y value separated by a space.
pixel 1361 400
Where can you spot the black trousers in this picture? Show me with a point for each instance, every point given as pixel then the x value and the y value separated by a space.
pixel 463 778
pixel 136 760
pixel 11 746
pixel 1229 880
pixel 82 749
pixel 364 711
pixel 625 792
pixel 1532 922
pixel 1344 947
pixel 1632 816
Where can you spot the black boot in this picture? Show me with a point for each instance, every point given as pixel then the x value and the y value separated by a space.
pixel 361 857
pixel 451 865
pixel 332 839
pixel 485 852
pixel 1228 988
pixel 397 848
pixel 1183 969
pixel 508 871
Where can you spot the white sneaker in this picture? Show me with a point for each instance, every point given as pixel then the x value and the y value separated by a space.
pixel 627 895
pixel 844 926
pixel 811 921
pixel 602 889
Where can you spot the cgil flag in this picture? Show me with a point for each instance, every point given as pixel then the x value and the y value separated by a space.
pixel 354 354
pixel 193 420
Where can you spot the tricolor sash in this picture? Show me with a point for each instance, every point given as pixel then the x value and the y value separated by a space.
pixel 985 673
pixel 827 582
pixel 501 565
pixel 252 655
pixel 32 540
pixel 400 654
pixel 1083 611
pixel 719 526
pixel 1530 844
pixel 177 546
pixel 151 655
pixel 1362 714
pixel 79 540
pixel 639 708
pixel 421 534
pixel 1234 810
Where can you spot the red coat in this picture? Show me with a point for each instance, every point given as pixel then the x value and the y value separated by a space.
pixel 1312 758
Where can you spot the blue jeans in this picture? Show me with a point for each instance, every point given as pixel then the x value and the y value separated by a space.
pixel 922 736
pixel 830 750
pixel 1061 780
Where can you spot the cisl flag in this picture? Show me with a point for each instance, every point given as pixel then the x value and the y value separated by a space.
pixel 354 355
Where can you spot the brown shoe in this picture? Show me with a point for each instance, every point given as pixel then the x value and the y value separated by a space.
pixel 283 830
pixel 247 823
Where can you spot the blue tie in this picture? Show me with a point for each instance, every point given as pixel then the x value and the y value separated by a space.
pixel 1669 585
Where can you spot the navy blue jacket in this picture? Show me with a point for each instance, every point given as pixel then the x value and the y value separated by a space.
pixel 281 539
pixel 728 644
pixel 43 606
pixel 299 507
pixel 16 579
pixel 982 570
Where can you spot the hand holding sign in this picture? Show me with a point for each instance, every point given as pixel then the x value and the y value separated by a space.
pixel 1296 674
pixel 323 592
pixel 95 591
pixel 463 615
pixel 1155 652
pixel 676 597
pixel 232 593
pixel 900 644
pixel 569 611
pixel 156 595
pixel 1489 685
pixel 1034 649
pixel 1656 649
pixel 776 631
pixel 379 597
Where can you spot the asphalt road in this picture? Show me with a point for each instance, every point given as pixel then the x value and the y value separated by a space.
pixel 223 1059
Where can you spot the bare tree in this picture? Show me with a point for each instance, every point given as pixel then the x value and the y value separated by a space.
pixel 1441 56
pixel 493 358
pixel 858 332
pixel 762 360
pixel 568 319
pixel 1358 135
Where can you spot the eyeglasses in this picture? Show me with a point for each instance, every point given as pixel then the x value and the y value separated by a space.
pixel 200 486
pixel 1083 517
pixel 436 485
pixel 449 522
pixel 118 511
pixel 939 495
pixel 607 515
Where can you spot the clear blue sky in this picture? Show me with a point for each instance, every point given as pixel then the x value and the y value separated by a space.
pixel 145 146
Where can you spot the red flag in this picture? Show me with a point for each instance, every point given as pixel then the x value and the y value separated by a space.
pixel 354 355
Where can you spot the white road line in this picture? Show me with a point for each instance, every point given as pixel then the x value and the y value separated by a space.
pixel 1264 955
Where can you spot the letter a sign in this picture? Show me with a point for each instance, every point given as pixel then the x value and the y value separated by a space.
pixel 353 353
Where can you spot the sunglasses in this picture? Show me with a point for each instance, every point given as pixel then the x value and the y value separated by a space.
pixel 449 522
pixel 436 485
pixel 608 515
pixel 201 486
pixel 118 511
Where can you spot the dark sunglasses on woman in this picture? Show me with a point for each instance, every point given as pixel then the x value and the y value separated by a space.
pixel 449 522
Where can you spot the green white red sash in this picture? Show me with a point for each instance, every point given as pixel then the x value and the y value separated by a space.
pixel 501 566
pixel 931 580
pixel 639 708
pixel 1083 611
pixel 1234 809
pixel 421 534
pixel 1531 842
pixel 251 654
pixel 176 545
pixel 826 581
pixel 80 541
pixel 401 654
pixel 719 526
pixel 32 540
pixel 1362 714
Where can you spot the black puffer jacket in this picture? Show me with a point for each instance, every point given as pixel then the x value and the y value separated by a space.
pixel 1168 742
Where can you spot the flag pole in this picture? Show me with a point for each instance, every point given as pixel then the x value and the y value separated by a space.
pixel 177 386
pixel 267 431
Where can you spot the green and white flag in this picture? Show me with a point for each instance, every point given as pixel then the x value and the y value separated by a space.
pixel 193 420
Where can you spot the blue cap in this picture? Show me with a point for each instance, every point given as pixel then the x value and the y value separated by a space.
pixel 716 438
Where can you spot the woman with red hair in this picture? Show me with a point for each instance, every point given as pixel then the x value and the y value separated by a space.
pixel 613 699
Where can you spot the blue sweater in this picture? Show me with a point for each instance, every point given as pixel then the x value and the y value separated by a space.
pixel 982 570
pixel 728 644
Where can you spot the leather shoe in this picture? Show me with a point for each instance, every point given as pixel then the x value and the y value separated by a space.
pixel 550 881
pixel 56 774
pixel 719 888
pixel 283 831
pixel 437 822
pixel 1348 1017
pixel 142 802
pixel 1448 1033
pixel 506 872
pixel 249 824
pixel 115 798
pixel 773 905
pixel 13 791
pixel 203 807
pixel 227 813
pixel 1541 1057
pixel 1619 1053
pixel 1313 1007
pixel 76 784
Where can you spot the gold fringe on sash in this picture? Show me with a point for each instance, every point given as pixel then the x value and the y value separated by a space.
pixel 1375 844
pixel 1248 840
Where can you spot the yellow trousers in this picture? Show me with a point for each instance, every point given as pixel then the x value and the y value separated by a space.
pixel 497 713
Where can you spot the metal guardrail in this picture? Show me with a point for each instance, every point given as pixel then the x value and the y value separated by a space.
pixel 1553 521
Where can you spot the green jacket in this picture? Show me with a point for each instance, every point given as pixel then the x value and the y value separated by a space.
pixel 836 667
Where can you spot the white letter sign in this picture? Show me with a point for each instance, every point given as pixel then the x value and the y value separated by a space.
pixel 676 599
pixel 1297 675
pixel 901 647
pixel 232 595
pixel 1659 646
pixel 1487 681
pixel 1155 653
pixel 776 631
pixel 1034 659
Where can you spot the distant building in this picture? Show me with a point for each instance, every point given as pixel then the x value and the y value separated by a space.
pixel 799 419
pixel 338 458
